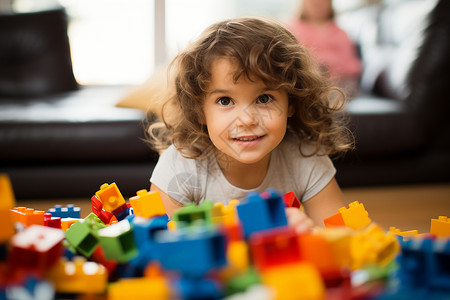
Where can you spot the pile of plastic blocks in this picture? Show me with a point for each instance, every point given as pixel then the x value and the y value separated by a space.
pixel 129 249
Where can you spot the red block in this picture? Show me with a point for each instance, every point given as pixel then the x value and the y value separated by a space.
pixel 290 200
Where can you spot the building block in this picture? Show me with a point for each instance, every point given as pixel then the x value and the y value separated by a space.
pixel 110 196
pixel 67 222
pixel 117 241
pixel 147 204
pixel 290 200
pixel 295 281
pixel 54 222
pixel 82 235
pixel 355 216
pixel 190 288
pixel 27 216
pixel 30 288
pixel 440 227
pixel 225 214
pixel 192 214
pixel 316 250
pixel 140 288
pixel 6 225
pixel 36 249
pixel 6 193
pixel 274 247
pixel 192 251
pixel 372 246
pixel 78 276
pixel 68 211
pixel 144 229
pixel 261 212
pixel 97 209
pixel 424 263
pixel 397 231
pixel 335 220
pixel 339 240
pixel 243 282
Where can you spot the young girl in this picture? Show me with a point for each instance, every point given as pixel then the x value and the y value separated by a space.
pixel 249 111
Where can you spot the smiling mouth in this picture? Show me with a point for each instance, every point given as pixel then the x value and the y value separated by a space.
pixel 247 138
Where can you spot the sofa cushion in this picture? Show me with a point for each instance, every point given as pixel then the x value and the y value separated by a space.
pixel 79 126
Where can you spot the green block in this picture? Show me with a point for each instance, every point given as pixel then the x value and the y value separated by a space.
pixel 240 283
pixel 191 214
pixel 82 235
pixel 118 242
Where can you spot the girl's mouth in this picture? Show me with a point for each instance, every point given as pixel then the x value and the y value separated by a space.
pixel 248 140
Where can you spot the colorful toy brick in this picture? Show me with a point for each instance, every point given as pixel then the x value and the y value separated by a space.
pixel 274 247
pixel 68 211
pixel 82 235
pixel 144 230
pixel 54 222
pixel 225 214
pixel 397 231
pixel 117 241
pixel 372 246
pixel 259 213
pixel 147 204
pixel 355 217
pixel 67 222
pixel 440 227
pixel 316 250
pixel 27 216
pixel 424 264
pixel 36 249
pixel 191 251
pixel 140 288
pixel 78 276
pixel 110 196
pixel 6 193
pixel 97 209
pixel 191 288
pixel 191 214
pixel 290 200
pixel 295 281
pixel 6 225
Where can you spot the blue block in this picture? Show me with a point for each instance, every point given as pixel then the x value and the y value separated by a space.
pixel 192 252
pixel 144 229
pixel 198 288
pixel 261 212
pixel 69 211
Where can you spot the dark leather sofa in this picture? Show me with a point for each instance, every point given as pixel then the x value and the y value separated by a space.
pixel 62 140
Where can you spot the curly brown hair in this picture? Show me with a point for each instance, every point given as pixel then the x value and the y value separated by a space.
pixel 266 50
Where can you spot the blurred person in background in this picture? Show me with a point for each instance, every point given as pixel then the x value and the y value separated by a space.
pixel 314 26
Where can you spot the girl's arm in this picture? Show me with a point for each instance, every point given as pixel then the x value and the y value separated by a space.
pixel 325 204
pixel 171 205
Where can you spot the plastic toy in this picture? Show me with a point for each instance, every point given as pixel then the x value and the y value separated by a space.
pixel 117 241
pixel 6 225
pixel 82 235
pixel 36 249
pixel 27 216
pixel 110 196
pixel 397 231
pixel 355 217
pixel 274 247
pixel 192 213
pixel 261 212
pixel 147 204
pixel 54 222
pixel 140 288
pixel 6 193
pixel 192 252
pixel 78 276
pixel 69 211
pixel 290 200
pixel 144 230
pixel 440 227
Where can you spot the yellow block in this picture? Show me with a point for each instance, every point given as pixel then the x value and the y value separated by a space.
pixel 440 227
pixel 147 204
pixel 139 289
pixel 7 199
pixel 355 216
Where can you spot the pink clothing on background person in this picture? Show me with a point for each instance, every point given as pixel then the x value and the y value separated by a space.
pixel 331 46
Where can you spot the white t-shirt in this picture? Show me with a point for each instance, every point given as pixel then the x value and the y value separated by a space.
pixel 195 180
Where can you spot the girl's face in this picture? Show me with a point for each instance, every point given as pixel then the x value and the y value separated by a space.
pixel 245 119
pixel 317 10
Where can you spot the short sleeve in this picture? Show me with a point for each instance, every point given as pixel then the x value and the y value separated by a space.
pixel 322 171
pixel 176 176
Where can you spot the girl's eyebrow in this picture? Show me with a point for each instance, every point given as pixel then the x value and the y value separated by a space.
pixel 225 91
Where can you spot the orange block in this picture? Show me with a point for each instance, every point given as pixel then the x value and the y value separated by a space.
pixel 27 216
pixel 110 196
pixel 334 220
pixel 316 250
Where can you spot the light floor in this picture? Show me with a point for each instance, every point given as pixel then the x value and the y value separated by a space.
pixel 404 207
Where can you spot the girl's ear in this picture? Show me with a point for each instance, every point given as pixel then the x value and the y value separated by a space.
pixel 291 110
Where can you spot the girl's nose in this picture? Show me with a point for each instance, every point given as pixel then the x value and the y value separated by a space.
pixel 248 116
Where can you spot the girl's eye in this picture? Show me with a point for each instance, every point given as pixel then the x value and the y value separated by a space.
pixel 264 99
pixel 225 101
